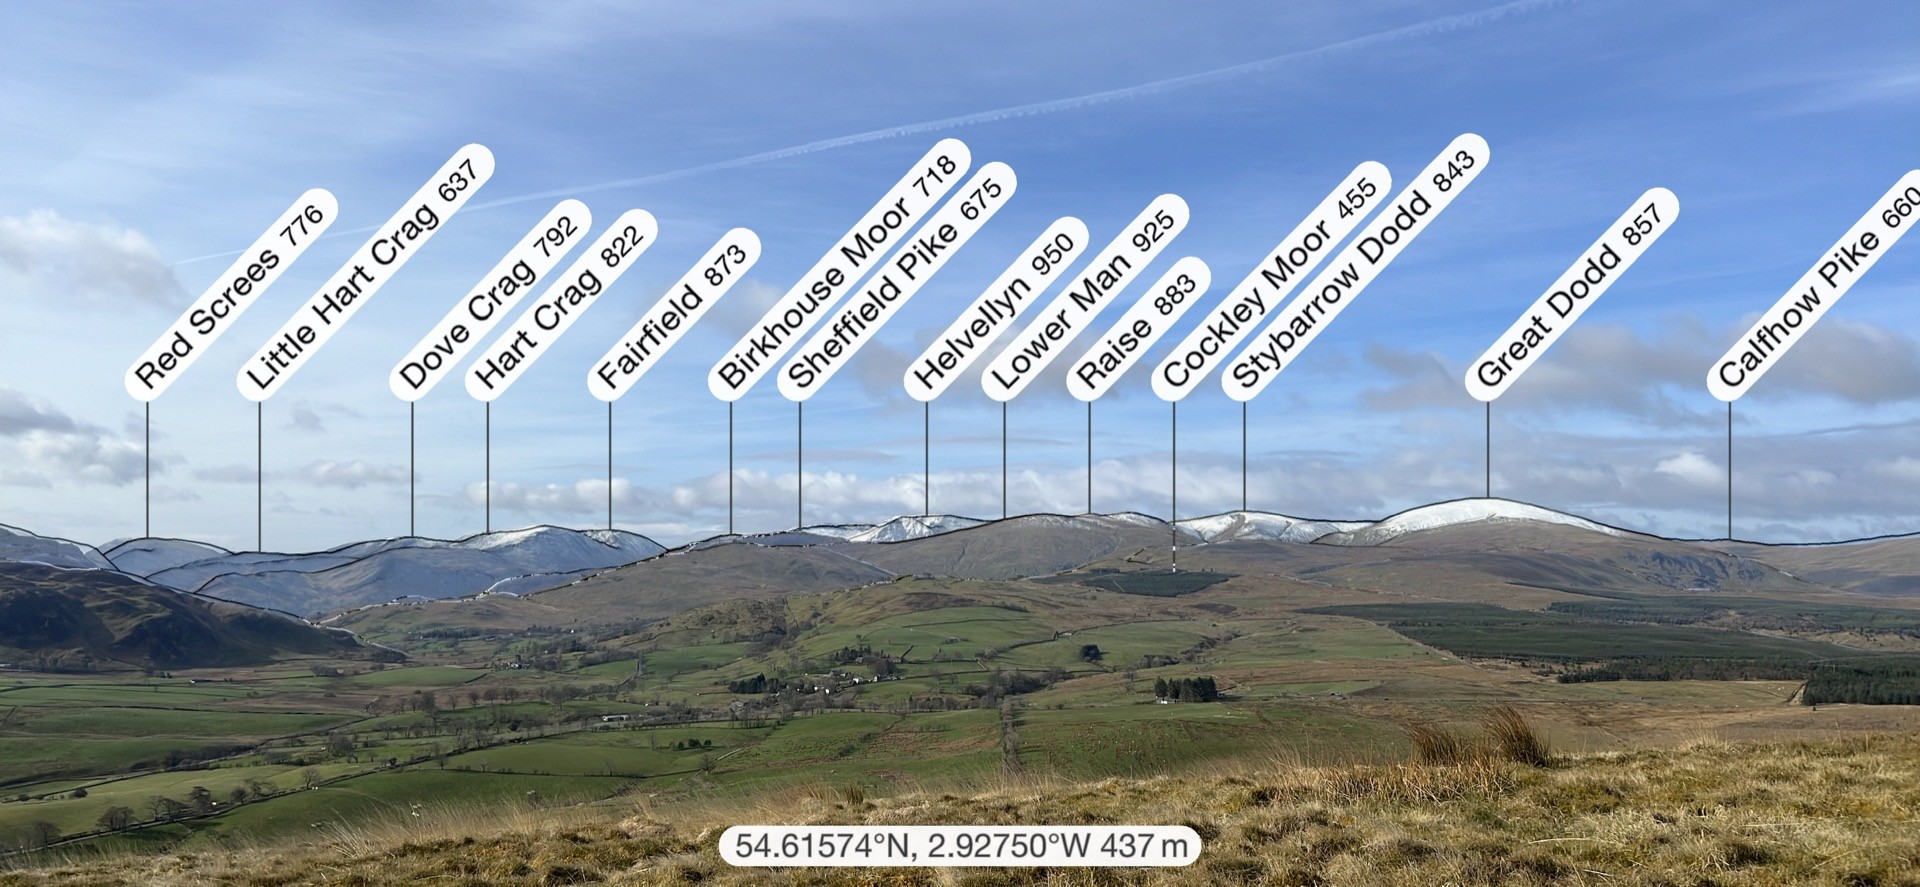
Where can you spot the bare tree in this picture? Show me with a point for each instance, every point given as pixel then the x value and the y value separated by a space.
pixel 165 808
pixel 115 818
pixel 340 745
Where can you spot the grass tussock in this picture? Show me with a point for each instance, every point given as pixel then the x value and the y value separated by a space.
pixel 1505 735
pixel 1482 811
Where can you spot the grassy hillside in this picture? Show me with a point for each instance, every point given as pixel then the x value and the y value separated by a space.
pixel 885 687
pixel 1825 813
pixel 89 620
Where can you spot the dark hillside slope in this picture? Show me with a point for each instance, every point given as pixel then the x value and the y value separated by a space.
pixel 99 620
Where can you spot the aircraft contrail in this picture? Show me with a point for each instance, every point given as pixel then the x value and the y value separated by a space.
pixel 1441 25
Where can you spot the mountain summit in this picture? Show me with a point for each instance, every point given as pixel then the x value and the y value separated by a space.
pixel 1456 512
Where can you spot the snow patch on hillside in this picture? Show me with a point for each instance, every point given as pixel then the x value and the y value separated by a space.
pixel 1259 525
pixel 835 531
pixel 915 526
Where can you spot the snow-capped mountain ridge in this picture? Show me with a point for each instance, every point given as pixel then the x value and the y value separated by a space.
pixel 833 531
pixel 1458 512
pixel 1236 526
pixel 528 559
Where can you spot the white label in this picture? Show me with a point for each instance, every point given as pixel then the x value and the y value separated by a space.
pixel 232 293
pixel 917 260
pixel 1004 300
pixel 1817 290
pixel 641 348
pixel 1570 296
pixel 372 265
pixel 839 270
pixel 1109 272
pixel 487 303
pixel 1347 274
pixel 569 296
pixel 1243 308
pixel 1156 311
pixel 959 845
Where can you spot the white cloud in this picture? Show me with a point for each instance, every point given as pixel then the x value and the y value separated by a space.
pixel 55 258
pixel 1648 376
pixel 18 415
pixel 1596 366
pixel 831 496
pixel 304 419
pixel 40 445
pixel 1905 468
pixel 1692 468
pixel 586 496
pixel 88 455
pixel 1852 360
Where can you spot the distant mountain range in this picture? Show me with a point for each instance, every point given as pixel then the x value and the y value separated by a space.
pixel 176 603
pixel 1473 549
pixel 553 576
pixel 379 570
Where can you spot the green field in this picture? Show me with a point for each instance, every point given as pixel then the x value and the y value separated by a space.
pixel 416 676
pixel 25 762
pixel 104 721
pixel 682 660
pixel 141 693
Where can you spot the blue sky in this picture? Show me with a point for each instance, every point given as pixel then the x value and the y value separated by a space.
pixel 143 139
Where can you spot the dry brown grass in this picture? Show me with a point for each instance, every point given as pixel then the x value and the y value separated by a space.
pixel 1505 735
pixel 1835 813
pixel 1512 738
